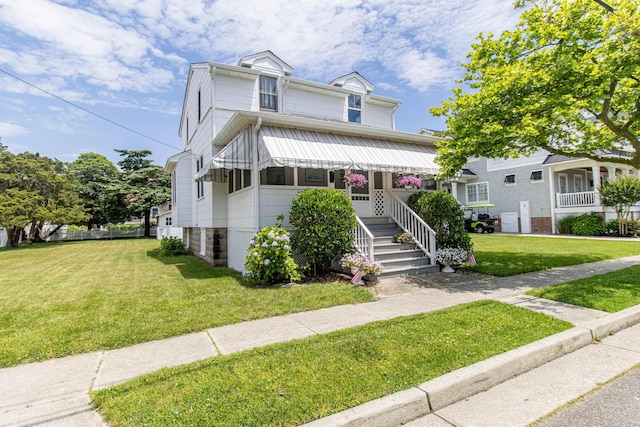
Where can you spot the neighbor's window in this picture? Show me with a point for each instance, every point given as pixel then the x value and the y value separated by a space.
pixel 478 192
pixel 269 93
pixel 355 108
pixel 167 220
pixel 199 106
pixel 238 179
pixel 510 179
pixel 536 175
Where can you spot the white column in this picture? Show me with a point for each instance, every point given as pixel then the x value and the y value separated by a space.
pixel 454 189
pixel 552 197
pixel 595 170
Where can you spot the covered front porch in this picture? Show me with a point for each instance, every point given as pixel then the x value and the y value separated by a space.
pixel 575 187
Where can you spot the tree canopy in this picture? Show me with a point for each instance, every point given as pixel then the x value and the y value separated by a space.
pixel 37 188
pixel 566 80
pixel 142 185
pixel 94 177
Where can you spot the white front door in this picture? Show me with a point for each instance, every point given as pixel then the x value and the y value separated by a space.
pixel 361 198
pixel 525 217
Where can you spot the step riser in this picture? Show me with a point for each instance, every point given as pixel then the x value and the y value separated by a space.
pixel 382 257
pixel 406 263
pixel 410 272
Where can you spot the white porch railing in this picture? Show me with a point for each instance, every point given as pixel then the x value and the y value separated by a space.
pixel 567 200
pixel 409 221
pixel 364 239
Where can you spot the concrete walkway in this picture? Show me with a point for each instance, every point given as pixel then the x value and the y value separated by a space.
pixel 55 392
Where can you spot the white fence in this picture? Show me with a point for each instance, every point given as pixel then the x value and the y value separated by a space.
pixel 65 235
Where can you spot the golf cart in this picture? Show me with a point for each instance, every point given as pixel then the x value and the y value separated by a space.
pixel 477 218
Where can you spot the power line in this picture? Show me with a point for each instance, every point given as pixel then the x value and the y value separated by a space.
pixel 90 112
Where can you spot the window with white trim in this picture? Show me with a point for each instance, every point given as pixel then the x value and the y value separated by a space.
pixel 510 179
pixel 578 184
pixel 478 192
pixel 536 175
pixel 354 108
pixel 268 93
pixel 199 106
pixel 200 184
pixel 167 221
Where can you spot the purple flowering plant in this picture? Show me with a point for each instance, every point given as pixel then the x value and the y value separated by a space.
pixel 269 258
pixel 408 181
pixel 355 180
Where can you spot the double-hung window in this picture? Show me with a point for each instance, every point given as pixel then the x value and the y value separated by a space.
pixel 354 110
pixel 268 93
pixel 478 193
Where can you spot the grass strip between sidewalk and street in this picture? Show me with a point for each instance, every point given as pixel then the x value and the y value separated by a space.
pixel 299 381
pixel 608 292
pixel 58 299
pixel 506 255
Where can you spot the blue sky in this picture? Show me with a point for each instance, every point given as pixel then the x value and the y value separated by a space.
pixel 127 60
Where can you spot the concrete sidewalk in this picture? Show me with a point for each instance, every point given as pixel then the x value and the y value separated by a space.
pixel 55 392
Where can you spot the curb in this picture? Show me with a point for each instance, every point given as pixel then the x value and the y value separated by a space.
pixel 407 405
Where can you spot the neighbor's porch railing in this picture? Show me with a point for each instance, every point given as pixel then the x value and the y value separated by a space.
pixel 567 200
pixel 409 221
pixel 364 239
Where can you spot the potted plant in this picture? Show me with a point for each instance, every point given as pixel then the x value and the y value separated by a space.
pixel 449 257
pixel 355 180
pixel 404 238
pixel 408 182
pixel 361 266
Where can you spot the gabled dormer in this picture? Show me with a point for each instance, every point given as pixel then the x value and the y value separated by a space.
pixel 266 62
pixel 360 86
pixel 354 81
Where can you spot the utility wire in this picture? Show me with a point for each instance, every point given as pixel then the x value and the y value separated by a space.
pixel 90 112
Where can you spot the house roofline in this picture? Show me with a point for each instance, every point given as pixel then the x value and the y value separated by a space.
pixel 243 118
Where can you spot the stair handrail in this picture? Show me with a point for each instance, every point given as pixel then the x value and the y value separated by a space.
pixel 423 235
pixel 363 239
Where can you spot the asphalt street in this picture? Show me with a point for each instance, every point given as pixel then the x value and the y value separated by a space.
pixel 616 404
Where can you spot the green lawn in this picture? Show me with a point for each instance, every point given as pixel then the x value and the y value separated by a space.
pixel 501 255
pixel 609 292
pixel 67 298
pixel 298 381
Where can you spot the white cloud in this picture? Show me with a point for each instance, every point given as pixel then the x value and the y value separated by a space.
pixel 11 129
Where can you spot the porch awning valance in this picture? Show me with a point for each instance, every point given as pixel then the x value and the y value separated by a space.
pixel 319 150
pixel 309 149
pixel 235 155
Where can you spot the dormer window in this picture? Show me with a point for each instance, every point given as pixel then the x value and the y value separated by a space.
pixel 354 109
pixel 268 93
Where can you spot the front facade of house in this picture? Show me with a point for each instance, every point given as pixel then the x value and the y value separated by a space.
pixel 253 137
pixel 533 193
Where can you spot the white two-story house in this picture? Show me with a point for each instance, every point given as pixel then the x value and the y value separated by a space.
pixel 253 136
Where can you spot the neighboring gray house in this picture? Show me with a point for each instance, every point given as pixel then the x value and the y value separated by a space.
pixel 533 193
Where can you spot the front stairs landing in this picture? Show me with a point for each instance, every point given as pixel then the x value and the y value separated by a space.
pixel 398 259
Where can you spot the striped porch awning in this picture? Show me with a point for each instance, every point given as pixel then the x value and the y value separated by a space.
pixel 279 146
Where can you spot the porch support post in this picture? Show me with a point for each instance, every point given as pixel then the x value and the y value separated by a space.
pixel 595 171
pixel 552 197
pixel 454 189
pixel 611 173
pixel 256 177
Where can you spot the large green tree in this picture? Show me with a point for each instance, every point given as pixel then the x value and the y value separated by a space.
pixel 95 177
pixel 566 80
pixel 38 187
pixel 142 185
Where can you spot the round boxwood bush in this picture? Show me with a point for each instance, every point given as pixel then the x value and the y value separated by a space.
pixel 442 212
pixel 590 224
pixel 323 221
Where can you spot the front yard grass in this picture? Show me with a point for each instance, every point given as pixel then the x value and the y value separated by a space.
pixel 299 381
pixel 501 255
pixel 66 298
pixel 608 292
